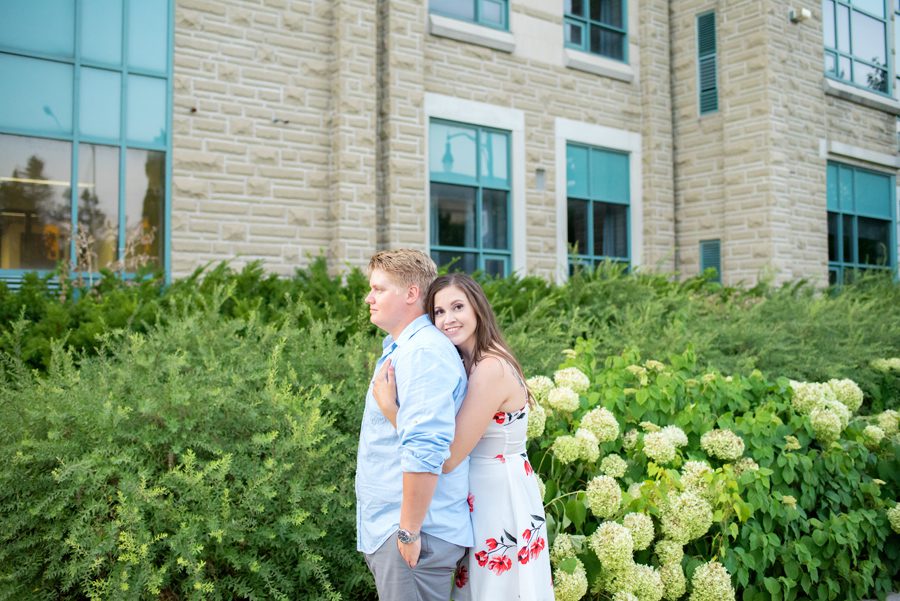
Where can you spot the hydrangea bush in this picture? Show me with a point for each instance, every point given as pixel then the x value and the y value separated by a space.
pixel 664 482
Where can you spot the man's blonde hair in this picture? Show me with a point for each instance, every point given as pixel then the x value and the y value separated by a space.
pixel 408 267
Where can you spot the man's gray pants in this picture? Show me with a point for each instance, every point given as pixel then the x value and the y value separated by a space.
pixel 430 580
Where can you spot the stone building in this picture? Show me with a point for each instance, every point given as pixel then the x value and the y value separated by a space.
pixel 756 137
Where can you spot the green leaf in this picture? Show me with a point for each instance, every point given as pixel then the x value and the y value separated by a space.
pixel 577 512
pixel 568 565
pixel 772 586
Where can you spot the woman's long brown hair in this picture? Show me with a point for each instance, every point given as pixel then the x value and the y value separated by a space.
pixel 488 337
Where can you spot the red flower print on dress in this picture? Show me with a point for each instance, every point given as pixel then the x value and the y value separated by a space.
pixel 462 576
pixel 499 564
pixel 528 469
pixel 536 547
pixel 500 417
pixel 471 501
pixel 491 544
pixel 501 458
pixel 527 534
pixel 523 555
pixel 481 557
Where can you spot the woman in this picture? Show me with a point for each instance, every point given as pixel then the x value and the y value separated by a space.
pixel 510 559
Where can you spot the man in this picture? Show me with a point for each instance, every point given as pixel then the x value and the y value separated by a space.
pixel 412 522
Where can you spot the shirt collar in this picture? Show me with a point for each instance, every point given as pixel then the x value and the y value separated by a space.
pixel 408 332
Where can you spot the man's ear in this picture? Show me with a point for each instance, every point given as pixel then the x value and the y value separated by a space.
pixel 413 295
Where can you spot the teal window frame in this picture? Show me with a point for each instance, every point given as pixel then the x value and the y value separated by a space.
pixel 479 183
pixel 120 142
pixel 477 11
pixel 847 202
pixel 584 190
pixel 835 54
pixel 586 23
pixel 707 64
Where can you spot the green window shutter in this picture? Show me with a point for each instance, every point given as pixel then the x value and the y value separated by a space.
pixel 706 57
pixel 711 257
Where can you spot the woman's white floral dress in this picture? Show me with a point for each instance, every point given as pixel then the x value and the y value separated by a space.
pixel 510 559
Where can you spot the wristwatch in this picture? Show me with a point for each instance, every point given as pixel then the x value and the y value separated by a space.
pixel 406 537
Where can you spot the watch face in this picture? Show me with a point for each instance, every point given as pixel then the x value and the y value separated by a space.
pixel 406 537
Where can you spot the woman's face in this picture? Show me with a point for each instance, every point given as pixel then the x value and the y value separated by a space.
pixel 454 315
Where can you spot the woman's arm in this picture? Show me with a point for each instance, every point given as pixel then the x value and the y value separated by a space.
pixel 486 392
pixel 384 389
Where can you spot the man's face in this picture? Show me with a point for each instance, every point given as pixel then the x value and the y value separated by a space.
pixel 386 300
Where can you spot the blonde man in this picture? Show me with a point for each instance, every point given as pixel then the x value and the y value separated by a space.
pixel 412 521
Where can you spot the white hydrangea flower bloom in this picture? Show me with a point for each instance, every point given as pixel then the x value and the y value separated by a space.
pixel 668 551
pixel 839 409
pixel 826 425
pixel 563 547
pixel 566 449
pixel 872 436
pixel 641 527
pixel 613 466
pixel 564 399
pixel 613 545
pixel 694 476
pixel 848 392
pixel 673 580
pixel 687 516
pixel 886 365
pixel 654 365
pixel 659 448
pixel 711 582
pixel 602 423
pixel 603 496
pixel 889 421
pixel 649 427
pixel 624 596
pixel 809 395
pixel 590 448
pixel 893 515
pixel 676 435
pixel 745 464
pixel 539 386
pixel 537 419
pixel 647 583
pixel 572 377
pixel 640 373
pixel 722 444
pixel 630 439
pixel 570 587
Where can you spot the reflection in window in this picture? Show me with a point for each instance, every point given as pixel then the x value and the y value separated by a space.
pixel 597 26
pixel 484 12
pixel 98 204
pixel 470 197
pixel 35 178
pixel 144 202
pixel 855 35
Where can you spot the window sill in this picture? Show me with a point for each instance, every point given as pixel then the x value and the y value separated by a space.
pixel 853 94
pixel 462 31
pixel 598 65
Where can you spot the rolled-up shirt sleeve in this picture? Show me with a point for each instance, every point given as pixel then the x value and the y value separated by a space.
pixel 426 419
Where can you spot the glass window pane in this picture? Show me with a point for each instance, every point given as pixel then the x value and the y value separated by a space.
pixel 609 176
pixel 577 226
pixel 101 31
pixel 99 106
pixel 461 9
pixel 876 7
pixel 831 187
pixel 148 34
pixel 467 262
pixel 828 22
pixel 494 159
pixel 608 11
pixel 451 150
pixel 146 120
pixel 574 34
pixel 37 95
pixel 46 26
pixel 847 235
pixel 845 188
pixel 869 39
pixel 607 43
pixel 98 205
pixel 610 230
pixel 833 221
pixel 35 195
pixel 577 171
pixel 833 277
pixel 843 67
pixel 874 238
pixel 454 209
pixel 830 64
pixel 873 194
pixel 870 77
pixel 495 219
pixel 574 7
pixel 145 188
pixel 495 266
pixel 843 28
pixel 491 12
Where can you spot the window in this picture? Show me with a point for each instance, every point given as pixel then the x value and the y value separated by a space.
pixel 597 207
pixel 597 26
pixel 492 13
pixel 470 197
pixel 897 48
pixel 707 82
pixel 711 257
pixel 84 133
pixel 861 231
pixel 856 42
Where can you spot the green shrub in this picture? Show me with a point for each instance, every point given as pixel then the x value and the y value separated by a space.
pixel 195 461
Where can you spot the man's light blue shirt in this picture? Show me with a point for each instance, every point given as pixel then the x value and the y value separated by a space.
pixel 431 385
